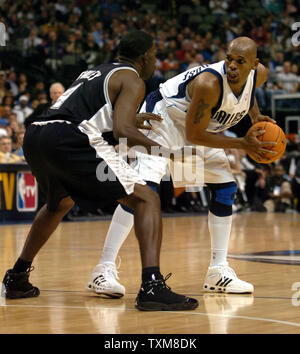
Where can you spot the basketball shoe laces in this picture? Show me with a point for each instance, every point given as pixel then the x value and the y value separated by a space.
pixel 227 272
pixel 157 282
pixel 112 270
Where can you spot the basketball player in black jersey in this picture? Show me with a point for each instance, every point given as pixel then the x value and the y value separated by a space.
pixel 70 150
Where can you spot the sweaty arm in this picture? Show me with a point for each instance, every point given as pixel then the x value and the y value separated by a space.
pixel 204 97
pixel 127 91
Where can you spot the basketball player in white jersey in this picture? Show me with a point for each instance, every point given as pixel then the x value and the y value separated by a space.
pixel 196 105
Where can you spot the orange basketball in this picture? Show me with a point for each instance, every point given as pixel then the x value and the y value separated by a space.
pixel 272 133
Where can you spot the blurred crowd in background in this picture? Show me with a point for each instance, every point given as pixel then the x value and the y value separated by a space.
pixel 48 44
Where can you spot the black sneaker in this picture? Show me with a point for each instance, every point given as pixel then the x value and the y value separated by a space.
pixel 16 285
pixel 155 295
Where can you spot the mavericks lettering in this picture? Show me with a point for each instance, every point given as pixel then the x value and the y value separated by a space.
pixel 225 118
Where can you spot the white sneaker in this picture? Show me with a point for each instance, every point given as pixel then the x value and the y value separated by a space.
pixel 104 281
pixel 222 279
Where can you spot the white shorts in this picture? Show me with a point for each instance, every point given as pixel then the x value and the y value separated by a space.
pixel 168 134
pixel 216 167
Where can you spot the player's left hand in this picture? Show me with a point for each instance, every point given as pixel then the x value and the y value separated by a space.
pixel 262 118
pixel 142 117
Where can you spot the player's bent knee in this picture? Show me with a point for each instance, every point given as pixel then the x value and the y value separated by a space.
pixel 144 192
pixel 222 198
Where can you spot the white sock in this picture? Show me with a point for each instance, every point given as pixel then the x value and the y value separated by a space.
pixel 219 228
pixel 120 226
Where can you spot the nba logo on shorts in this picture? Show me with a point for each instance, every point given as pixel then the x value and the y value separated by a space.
pixel 27 192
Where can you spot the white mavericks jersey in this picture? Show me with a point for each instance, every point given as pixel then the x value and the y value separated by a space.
pixel 229 110
pixel 171 101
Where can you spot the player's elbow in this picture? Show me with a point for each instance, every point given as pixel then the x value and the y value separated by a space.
pixel 120 132
pixel 193 135
pixel 125 133
pixel 117 134
pixel 190 136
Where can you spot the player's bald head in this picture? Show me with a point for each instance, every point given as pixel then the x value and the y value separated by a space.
pixel 243 46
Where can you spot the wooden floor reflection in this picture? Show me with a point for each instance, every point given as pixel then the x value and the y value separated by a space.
pixel 63 267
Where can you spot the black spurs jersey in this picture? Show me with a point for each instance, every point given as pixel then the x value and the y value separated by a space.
pixel 87 99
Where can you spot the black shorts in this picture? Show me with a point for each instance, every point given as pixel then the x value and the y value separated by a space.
pixel 65 164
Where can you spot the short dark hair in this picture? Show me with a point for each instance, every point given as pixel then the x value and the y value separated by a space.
pixel 134 44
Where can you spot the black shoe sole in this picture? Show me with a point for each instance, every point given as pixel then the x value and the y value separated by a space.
pixel 16 294
pixel 158 306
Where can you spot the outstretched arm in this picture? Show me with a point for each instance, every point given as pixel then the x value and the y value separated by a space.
pixel 130 93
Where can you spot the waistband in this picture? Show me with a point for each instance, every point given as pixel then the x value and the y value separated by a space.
pixel 51 121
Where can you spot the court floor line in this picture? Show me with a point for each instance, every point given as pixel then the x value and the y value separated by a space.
pixel 190 295
pixel 251 318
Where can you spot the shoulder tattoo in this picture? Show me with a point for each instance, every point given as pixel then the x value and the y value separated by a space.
pixel 200 111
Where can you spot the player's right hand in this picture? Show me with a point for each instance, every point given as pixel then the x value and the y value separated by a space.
pixel 141 118
pixel 256 147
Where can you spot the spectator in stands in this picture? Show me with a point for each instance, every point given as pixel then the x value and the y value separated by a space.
pixel 98 34
pixel 61 8
pixel 275 192
pixel 38 87
pixel 30 44
pixel 230 35
pixel 170 66
pixel 4 87
pixel 259 33
pixel 287 80
pixel 55 91
pixel 295 71
pixel 11 80
pixel 6 155
pixel 197 61
pixel 290 8
pixel 218 7
pixel 18 143
pixel 90 50
pixel 296 184
pixel 8 100
pixel 3 131
pixel 22 83
pixel 73 48
pixel 6 111
pixel 13 127
pixel 276 64
pixel 53 52
pixel 22 110
pixel 275 7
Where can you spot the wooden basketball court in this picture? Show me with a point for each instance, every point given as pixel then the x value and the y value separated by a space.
pixel 64 265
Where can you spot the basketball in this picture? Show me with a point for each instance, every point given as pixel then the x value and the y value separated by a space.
pixel 273 133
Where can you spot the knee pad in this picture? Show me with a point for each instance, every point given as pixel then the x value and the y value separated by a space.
pixel 152 185
pixel 222 198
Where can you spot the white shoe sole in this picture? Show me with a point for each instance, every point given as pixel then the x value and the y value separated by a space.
pixel 105 293
pixel 221 289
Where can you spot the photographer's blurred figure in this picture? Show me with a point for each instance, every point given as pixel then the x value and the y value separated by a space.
pixel 275 191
